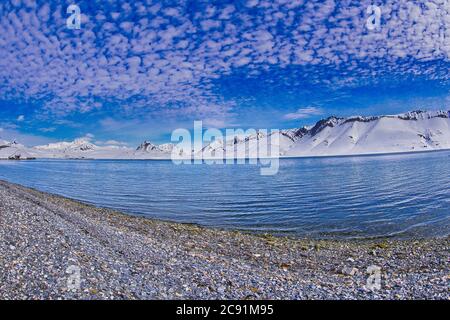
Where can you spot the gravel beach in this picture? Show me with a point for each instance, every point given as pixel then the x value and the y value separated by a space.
pixel 47 240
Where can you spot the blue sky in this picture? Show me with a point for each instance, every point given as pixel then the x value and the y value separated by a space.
pixel 139 69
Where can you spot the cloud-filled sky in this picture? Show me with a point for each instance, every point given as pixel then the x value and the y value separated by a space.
pixel 139 69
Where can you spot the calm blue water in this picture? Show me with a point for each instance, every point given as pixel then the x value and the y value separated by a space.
pixel 397 195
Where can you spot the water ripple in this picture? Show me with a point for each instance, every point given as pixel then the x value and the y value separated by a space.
pixel 402 196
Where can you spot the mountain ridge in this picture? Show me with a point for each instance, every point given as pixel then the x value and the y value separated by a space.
pixel 417 130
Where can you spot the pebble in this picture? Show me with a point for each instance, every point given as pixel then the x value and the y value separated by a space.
pixel 55 248
pixel 349 271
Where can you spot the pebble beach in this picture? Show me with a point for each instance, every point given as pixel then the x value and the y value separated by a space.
pixel 52 247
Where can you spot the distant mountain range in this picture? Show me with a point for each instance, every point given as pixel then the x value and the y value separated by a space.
pixel 408 132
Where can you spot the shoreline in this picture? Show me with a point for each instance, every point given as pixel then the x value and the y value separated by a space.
pixel 127 257
pixel 281 157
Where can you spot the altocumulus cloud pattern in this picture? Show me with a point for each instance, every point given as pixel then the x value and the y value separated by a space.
pixel 174 56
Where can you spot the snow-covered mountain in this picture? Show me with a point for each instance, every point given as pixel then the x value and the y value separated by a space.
pixel 80 149
pixel 148 150
pixel 408 132
pixel 76 145
pixel 412 131
pixel 147 146
pixel 14 150
pixel 248 146
pixel 84 149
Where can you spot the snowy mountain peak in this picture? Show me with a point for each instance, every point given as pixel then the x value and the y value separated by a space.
pixel 412 115
pixel 295 134
pixel 83 145
pixel 80 144
pixel 422 115
pixel 322 124
pixel 147 146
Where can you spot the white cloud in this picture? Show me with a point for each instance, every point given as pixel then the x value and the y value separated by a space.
pixel 304 113
pixel 49 129
pixel 217 123
pixel 111 143
pixel 88 136
pixel 169 58
pixel 21 118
